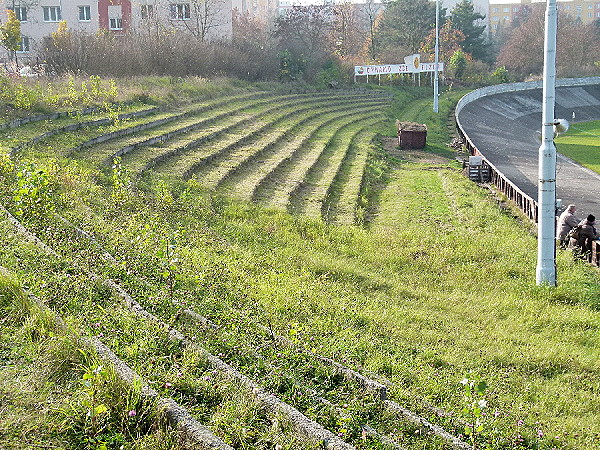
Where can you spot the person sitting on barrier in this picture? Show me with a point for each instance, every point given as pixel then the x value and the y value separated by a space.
pixel 566 222
pixel 582 241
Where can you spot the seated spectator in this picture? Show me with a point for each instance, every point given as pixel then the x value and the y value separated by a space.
pixel 566 222
pixel 587 234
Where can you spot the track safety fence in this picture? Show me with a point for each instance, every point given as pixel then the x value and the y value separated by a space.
pixel 525 203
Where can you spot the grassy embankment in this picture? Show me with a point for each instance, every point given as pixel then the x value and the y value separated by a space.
pixel 439 286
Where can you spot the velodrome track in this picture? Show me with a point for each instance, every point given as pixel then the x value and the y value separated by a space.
pixel 504 123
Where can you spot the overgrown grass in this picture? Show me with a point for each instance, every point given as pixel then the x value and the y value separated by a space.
pixel 27 96
pixel 55 394
pixel 438 287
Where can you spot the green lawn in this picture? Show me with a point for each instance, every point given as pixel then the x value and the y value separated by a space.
pixel 582 144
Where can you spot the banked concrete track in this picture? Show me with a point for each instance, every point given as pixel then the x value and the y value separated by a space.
pixel 504 123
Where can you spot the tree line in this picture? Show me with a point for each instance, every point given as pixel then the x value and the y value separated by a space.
pixel 321 43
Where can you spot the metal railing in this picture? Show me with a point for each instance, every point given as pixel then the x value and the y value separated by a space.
pixel 527 204
pixel 595 256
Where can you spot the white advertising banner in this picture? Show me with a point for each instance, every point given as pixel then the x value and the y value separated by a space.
pixel 381 70
pixel 413 62
pixel 430 67
pixel 397 68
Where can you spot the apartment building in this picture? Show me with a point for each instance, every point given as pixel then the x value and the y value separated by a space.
pixel 40 18
pixel 501 14
pixel 263 11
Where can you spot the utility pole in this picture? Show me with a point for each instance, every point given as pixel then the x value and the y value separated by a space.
pixel 437 57
pixel 546 262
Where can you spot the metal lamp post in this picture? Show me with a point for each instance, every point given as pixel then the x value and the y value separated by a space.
pixel 437 57
pixel 546 262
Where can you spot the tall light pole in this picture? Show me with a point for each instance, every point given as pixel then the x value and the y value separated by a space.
pixel 437 57
pixel 546 263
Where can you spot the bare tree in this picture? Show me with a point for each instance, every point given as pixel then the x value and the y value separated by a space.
pixel 522 52
pixel 202 16
pixel 578 46
pixel 370 13
pixel 348 33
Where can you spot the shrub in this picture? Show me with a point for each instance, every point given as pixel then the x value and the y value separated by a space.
pixel 160 53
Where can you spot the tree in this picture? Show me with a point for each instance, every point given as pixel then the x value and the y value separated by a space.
pixel 458 63
pixel 303 36
pixel 255 45
pixel 405 24
pixel 370 13
pixel 523 51
pixel 347 33
pixel 62 36
pixel 450 41
pixel 10 34
pixel 578 46
pixel 465 19
pixel 305 28
pixel 206 16
pixel 500 75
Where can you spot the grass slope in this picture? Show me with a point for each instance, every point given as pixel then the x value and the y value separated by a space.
pixel 439 286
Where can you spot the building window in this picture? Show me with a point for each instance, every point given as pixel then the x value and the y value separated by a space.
pixel 115 23
pixel 115 17
pixel 180 11
pixel 515 9
pixel 506 18
pixel 590 14
pixel 85 13
pixel 495 18
pixel 496 9
pixel 495 26
pixel 590 6
pixel 147 11
pixel 578 7
pixel 52 14
pixel 505 9
pixel 598 14
pixel 20 12
pixel 24 45
pixel 567 6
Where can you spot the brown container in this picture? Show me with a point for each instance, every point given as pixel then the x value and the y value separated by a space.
pixel 411 134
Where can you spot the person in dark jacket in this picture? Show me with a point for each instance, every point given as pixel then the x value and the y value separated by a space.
pixel 587 234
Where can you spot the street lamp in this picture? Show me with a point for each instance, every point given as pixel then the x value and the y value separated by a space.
pixel 437 57
pixel 546 262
